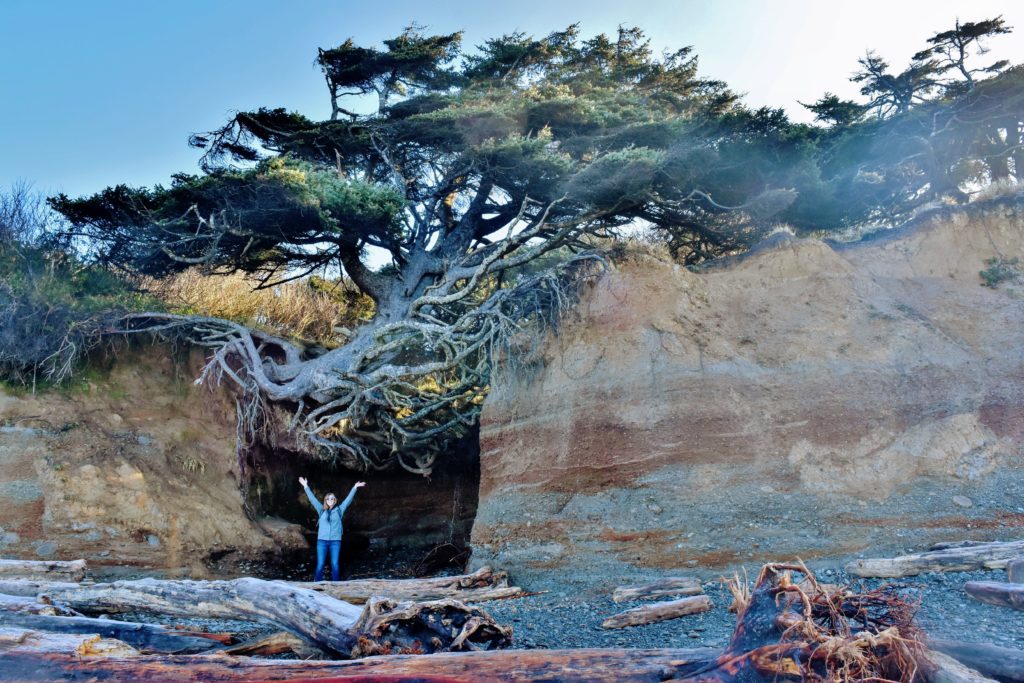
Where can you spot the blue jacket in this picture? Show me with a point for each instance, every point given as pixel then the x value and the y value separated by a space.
pixel 329 528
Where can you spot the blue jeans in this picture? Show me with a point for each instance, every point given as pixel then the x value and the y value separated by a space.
pixel 322 548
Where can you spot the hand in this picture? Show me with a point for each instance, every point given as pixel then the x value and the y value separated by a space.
pixel 359 484
pixel 302 480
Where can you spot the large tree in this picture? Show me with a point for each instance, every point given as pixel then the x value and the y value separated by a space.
pixel 482 177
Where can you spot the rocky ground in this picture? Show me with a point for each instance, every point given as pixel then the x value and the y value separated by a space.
pixel 559 620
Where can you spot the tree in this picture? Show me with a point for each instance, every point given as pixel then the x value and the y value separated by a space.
pixel 893 95
pixel 483 182
pixel 952 47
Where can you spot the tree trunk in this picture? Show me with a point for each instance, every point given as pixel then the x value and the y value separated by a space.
pixel 143 637
pixel 323 621
pixel 483 584
pixel 43 657
pixel 1004 663
pixel 949 670
pixel 659 611
pixel 659 589
pixel 995 593
pixel 959 559
pixel 45 570
pixel 1015 571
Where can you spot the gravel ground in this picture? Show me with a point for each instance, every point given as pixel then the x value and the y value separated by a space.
pixel 560 620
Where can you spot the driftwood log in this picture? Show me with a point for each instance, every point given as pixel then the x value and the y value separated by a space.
pixel 946 669
pixel 952 559
pixel 483 584
pixel 29 656
pixel 1015 570
pixel 324 622
pixel 275 644
pixel 143 637
pixel 658 611
pixel 995 593
pixel 1003 663
pixel 659 589
pixel 45 570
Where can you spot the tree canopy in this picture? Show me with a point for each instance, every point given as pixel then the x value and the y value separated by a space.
pixel 483 177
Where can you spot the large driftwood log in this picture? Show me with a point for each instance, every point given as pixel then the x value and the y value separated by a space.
pixel 323 621
pixel 658 611
pixel 1003 663
pixel 143 637
pixel 659 589
pixel 45 657
pixel 30 588
pixel 17 604
pixel 483 584
pixel 946 669
pixel 959 559
pixel 996 593
pixel 47 570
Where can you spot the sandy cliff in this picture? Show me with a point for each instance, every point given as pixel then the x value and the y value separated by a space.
pixel 808 399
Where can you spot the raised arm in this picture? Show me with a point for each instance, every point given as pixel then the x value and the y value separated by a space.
pixel 309 494
pixel 351 494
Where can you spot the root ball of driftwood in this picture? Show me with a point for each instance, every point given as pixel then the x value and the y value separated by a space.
pixel 388 627
pixel 800 631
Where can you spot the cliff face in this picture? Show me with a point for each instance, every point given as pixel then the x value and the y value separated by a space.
pixel 806 400
pixel 138 468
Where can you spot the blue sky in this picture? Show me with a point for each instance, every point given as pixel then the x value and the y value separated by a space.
pixel 107 91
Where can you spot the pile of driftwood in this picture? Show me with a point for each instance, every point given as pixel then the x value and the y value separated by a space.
pixel 789 627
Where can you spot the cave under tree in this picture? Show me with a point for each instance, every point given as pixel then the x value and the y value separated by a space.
pixel 487 181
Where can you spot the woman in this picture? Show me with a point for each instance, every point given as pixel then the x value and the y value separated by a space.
pixel 328 535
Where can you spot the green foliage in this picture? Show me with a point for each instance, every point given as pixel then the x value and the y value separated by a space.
pixel 1000 270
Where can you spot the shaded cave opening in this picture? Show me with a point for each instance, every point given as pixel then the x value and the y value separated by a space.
pixel 400 525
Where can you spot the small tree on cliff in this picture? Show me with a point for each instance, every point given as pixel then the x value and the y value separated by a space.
pixel 483 178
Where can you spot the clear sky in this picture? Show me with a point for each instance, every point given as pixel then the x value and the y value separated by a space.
pixel 106 91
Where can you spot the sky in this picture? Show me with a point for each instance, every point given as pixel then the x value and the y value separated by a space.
pixel 107 91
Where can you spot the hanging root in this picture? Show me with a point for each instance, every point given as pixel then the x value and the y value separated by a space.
pixel 788 630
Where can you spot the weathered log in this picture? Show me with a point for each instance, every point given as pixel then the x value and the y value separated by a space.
pixel 946 669
pixel 483 584
pixel 1002 663
pixel 43 658
pixel 982 556
pixel 659 611
pixel 659 589
pixel 143 637
pixel 1015 570
pixel 32 587
pixel 995 593
pixel 323 621
pixel 43 569
pixel 18 604
pixel 275 644
pixel 945 545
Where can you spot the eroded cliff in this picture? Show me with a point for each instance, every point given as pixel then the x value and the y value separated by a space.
pixel 808 399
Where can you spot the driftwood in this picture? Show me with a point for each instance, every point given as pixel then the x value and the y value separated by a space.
pixel 1015 570
pixel 1003 663
pixel 946 545
pixel 787 630
pixel 659 589
pixel 946 669
pixel 981 556
pixel 143 637
pixel 45 657
pixel 16 604
pixel 658 611
pixel 995 593
pixel 275 644
pixel 324 622
pixel 483 584
pixel 47 570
